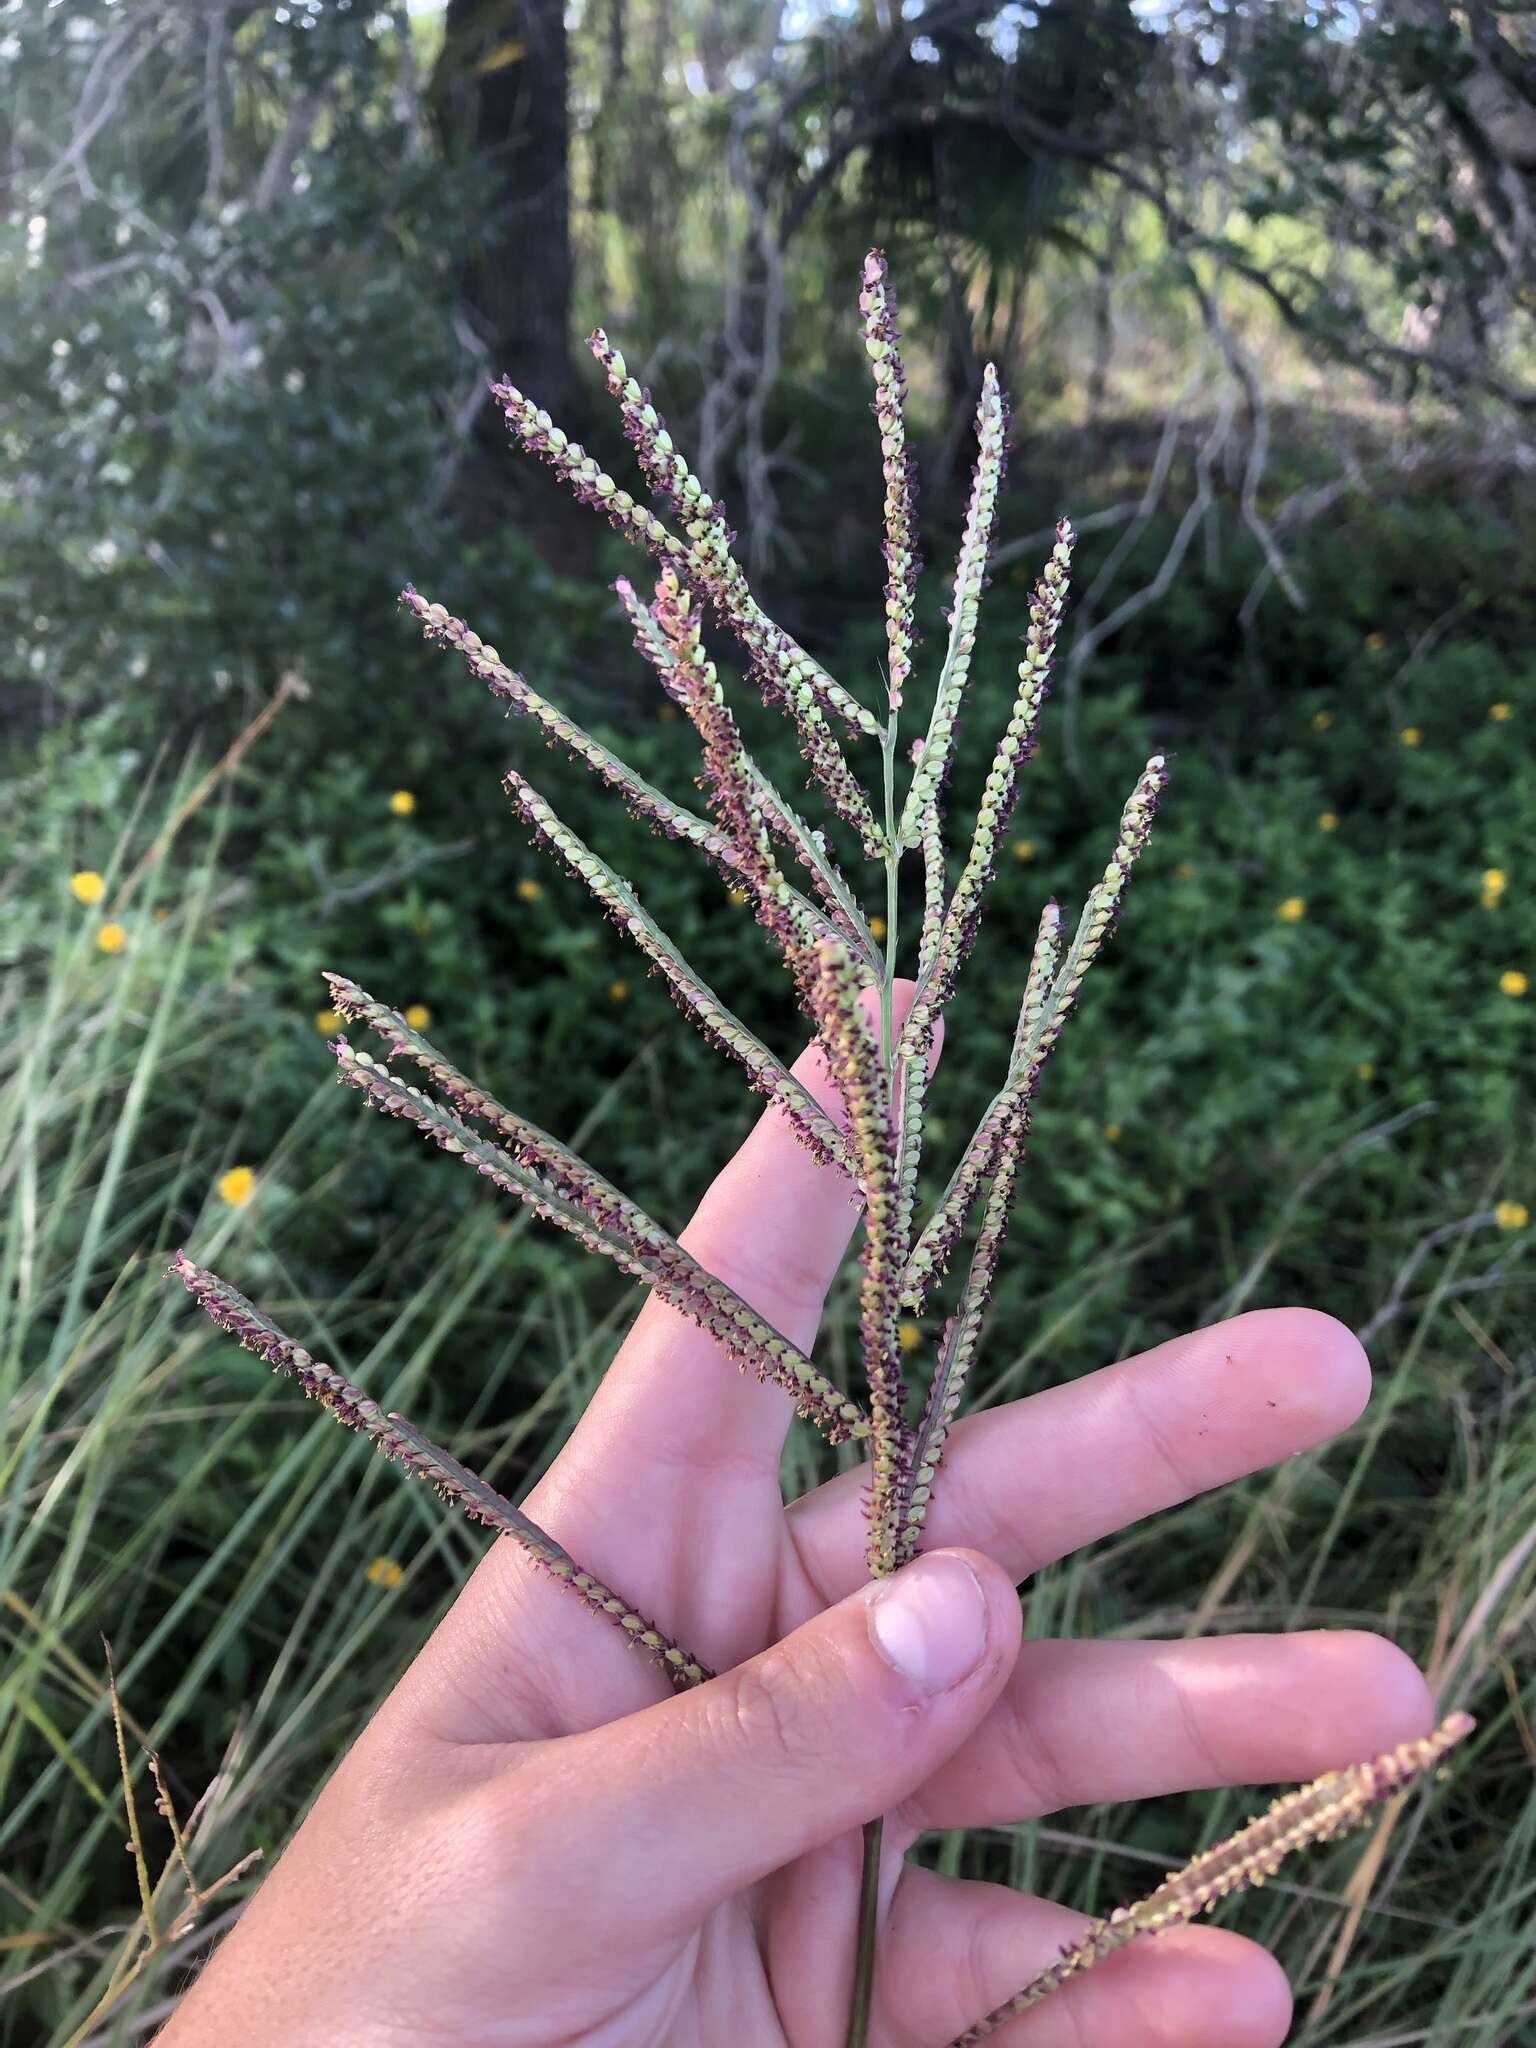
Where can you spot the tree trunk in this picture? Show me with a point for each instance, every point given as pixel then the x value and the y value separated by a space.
pixel 500 91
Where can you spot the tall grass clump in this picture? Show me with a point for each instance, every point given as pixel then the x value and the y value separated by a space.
pixel 842 934
pixel 152 1493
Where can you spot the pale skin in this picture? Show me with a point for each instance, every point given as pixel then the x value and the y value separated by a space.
pixel 536 1843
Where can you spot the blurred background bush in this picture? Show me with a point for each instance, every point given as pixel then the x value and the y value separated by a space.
pixel 1261 281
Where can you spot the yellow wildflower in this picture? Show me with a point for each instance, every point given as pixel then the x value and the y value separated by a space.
pixel 384 1572
pixel 529 891
pixel 618 991
pixel 1292 910
pixel 1412 735
pixel 1321 720
pixel 418 1016
pixel 87 886
pixel 1493 881
pixel 1023 849
pixel 1327 821
pixel 236 1187
pixel 111 938
pixel 402 803
pixel 1511 1215
pixel 1365 1070
pixel 1499 713
pixel 1112 1133
pixel 1375 642
pixel 909 1335
pixel 327 1022
pixel 877 927
pixel 1512 982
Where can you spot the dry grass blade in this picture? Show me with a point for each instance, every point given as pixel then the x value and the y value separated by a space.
pixel 148 1938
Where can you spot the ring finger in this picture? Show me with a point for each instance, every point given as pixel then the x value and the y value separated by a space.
pixel 1083 1723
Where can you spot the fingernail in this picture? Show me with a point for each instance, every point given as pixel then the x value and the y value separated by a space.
pixel 930 1622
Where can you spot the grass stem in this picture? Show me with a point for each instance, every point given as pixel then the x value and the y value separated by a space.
pixel 874 1831
pixel 864 1957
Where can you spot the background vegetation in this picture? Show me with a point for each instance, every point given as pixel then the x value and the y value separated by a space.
pixel 1260 279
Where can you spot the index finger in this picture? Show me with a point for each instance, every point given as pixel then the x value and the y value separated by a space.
pixel 669 1485
pixel 774 1226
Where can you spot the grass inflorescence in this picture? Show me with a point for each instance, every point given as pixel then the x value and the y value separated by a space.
pixel 843 977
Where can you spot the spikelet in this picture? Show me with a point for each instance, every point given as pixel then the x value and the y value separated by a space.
pixel 1097 921
pixel 1102 909
pixel 733 790
pixel 1327 1807
pixel 1044 965
pixel 933 892
pixel 1020 737
pixel 586 479
pixel 708 541
pixel 805 843
pixel 646 802
pixel 962 1333
pixel 402 1442
pixel 786 674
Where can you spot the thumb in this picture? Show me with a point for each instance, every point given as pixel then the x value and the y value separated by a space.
pixel 654 1819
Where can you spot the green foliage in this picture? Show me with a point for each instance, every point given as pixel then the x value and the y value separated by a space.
pixel 199 385
pixel 1222 1042
pixel 1395 963
pixel 1207 1142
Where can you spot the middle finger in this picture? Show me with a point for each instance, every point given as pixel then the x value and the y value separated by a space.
pixel 1085 1723
pixel 1036 1480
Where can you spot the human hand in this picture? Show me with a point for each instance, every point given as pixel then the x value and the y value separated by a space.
pixel 530 1845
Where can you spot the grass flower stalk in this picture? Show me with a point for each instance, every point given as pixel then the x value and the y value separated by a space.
pixel 823 923
pixel 882 344
pixel 1318 1812
pixel 605 1222
pixel 405 1445
pixel 692 993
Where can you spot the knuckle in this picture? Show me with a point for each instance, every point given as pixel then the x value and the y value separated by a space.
pixel 777 1712
pixel 1183 1479
pixel 1200 1732
pixel 1036 1775
pixel 791 1283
